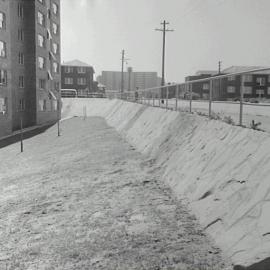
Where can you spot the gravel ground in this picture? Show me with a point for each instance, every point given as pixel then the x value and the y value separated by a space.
pixel 89 200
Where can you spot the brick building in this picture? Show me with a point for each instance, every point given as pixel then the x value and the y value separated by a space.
pixel 78 75
pixel 29 63
pixel 201 89
pixel 256 85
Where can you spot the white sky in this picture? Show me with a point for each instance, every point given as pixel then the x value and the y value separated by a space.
pixel 237 32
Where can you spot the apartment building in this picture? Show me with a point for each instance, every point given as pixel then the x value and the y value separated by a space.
pixel 132 80
pixel 78 75
pixel 29 63
pixel 256 85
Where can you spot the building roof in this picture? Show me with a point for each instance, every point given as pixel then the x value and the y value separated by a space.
pixel 206 72
pixel 235 69
pixel 76 63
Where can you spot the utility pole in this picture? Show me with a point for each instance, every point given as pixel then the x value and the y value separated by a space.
pixel 123 59
pixel 129 78
pixel 164 30
pixel 219 67
pixel 122 72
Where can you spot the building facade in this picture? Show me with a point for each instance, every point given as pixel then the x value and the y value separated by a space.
pixel 30 63
pixel 132 80
pixel 256 85
pixel 78 75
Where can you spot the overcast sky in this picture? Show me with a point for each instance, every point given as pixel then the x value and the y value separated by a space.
pixel 237 32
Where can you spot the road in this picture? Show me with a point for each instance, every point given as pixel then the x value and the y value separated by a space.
pixel 89 200
pixel 257 112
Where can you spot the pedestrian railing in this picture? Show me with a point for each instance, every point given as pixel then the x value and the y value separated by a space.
pixel 227 97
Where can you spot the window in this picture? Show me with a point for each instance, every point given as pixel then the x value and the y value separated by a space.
pixel 56 86
pixel 248 90
pixel 261 81
pixel 247 78
pixel 44 105
pixel 268 91
pixel 49 35
pixel 68 69
pixel 81 69
pixel 41 41
pixel 3 105
pixel 2 20
pixel 81 81
pixel 22 105
pixel 40 103
pixel 3 77
pixel 20 34
pixel 68 80
pixel 55 8
pixel 231 78
pixel 21 58
pixel 55 48
pixel 49 75
pixel 206 86
pixel 260 92
pixel 55 67
pixel 3 49
pixel 21 81
pixel 55 28
pixel 231 89
pixel 42 84
pixel 20 10
pixel 41 62
pixel 54 105
pixel 41 18
pixel 49 14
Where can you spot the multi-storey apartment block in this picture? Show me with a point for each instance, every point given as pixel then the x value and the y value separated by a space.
pixel 132 80
pixel 255 85
pixel 29 63
pixel 78 75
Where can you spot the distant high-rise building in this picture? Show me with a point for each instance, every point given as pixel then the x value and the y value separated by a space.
pixel 29 63
pixel 132 80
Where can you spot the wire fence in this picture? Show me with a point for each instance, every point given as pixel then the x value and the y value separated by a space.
pixel 235 98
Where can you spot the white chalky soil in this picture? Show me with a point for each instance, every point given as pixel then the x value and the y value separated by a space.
pixel 89 200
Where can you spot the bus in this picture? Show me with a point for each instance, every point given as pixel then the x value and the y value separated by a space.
pixel 68 93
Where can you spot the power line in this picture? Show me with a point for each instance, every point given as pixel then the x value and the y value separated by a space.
pixel 164 30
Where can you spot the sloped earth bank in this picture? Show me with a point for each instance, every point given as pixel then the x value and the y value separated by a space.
pixel 89 200
pixel 222 171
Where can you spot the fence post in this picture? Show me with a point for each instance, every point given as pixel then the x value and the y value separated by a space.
pixel 159 97
pixel 241 101
pixel 153 97
pixel 210 98
pixel 59 113
pixel 21 135
pixel 190 97
pixel 176 97
pixel 167 96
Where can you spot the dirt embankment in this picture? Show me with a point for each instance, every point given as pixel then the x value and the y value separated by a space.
pixel 89 200
pixel 221 170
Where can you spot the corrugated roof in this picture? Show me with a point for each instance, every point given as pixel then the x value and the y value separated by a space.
pixel 235 69
pixel 206 72
pixel 76 63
